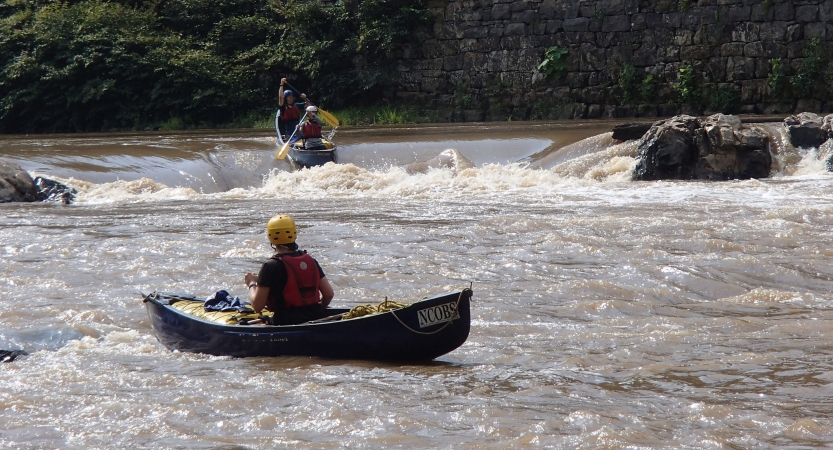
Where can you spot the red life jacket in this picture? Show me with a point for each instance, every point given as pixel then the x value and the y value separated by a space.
pixel 302 279
pixel 311 130
pixel 290 113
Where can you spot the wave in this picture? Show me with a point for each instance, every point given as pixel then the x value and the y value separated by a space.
pixel 243 167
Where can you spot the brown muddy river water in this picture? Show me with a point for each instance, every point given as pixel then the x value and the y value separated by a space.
pixel 607 313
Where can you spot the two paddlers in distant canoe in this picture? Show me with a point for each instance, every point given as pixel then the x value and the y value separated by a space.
pixel 300 137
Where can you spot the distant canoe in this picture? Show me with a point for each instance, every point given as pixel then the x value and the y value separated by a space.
pixel 302 157
pixel 421 331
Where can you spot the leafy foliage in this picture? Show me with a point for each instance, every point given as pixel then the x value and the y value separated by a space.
pixel 688 86
pixel 94 65
pixel 628 82
pixel 555 62
pixel 724 99
pixel 810 71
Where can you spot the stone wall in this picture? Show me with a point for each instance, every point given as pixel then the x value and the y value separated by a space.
pixel 480 61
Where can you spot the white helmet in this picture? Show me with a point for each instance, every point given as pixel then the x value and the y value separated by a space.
pixel 312 109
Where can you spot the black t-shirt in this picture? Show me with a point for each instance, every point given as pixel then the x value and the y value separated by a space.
pixel 273 275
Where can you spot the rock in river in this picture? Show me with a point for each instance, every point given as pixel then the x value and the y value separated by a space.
pixel 717 148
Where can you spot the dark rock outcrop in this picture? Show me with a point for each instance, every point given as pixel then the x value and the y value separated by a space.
pixel 668 151
pixel 16 185
pixel 718 148
pixel 630 131
pixel 52 191
pixel 805 130
pixel 11 355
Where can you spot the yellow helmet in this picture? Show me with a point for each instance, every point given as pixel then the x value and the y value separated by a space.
pixel 281 230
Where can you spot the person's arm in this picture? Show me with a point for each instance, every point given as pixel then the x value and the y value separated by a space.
pixel 258 295
pixel 280 97
pixel 327 292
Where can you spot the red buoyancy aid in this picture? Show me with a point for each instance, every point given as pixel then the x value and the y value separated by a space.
pixel 290 113
pixel 311 130
pixel 302 279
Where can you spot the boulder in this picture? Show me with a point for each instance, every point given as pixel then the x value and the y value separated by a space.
pixel 16 185
pixel 718 148
pixel 52 191
pixel 630 131
pixel 805 130
pixel 668 151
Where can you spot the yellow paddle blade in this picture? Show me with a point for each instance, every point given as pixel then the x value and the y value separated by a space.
pixel 331 119
pixel 281 152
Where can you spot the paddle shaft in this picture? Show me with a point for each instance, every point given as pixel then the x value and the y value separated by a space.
pixel 329 117
pixel 281 153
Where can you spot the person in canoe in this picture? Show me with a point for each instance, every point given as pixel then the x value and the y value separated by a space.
pixel 290 111
pixel 291 283
pixel 310 130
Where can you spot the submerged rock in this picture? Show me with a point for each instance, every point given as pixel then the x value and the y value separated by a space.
pixel 11 355
pixel 16 185
pixel 718 148
pixel 52 191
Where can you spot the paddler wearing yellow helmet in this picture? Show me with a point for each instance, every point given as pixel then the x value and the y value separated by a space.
pixel 298 298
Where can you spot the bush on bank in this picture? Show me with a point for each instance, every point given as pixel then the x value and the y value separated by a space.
pixel 96 65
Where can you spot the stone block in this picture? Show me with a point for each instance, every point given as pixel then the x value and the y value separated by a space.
pixel 738 14
pixel 616 23
pixel 695 52
pixel 516 6
pixel 578 24
pixel 525 17
pixel 645 55
pixel 690 20
pixel 592 58
pixel 806 13
pixel 815 29
pixel 548 9
pixel 514 29
pixel 594 111
pixel 577 80
pixel 826 11
pixel 475 62
pixel 638 22
pixel 746 32
pixel 467 45
pixel 646 111
pixel 717 66
pixel 740 68
pixel 753 91
pixel 783 11
pixel 501 11
pixel 475 33
pixel 773 31
pixel 553 26
pixel 732 49
pixel 668 54
pixel 794 33
pixel 774 50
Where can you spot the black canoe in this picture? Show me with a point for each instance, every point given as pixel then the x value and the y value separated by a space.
pixel 421 331
pixel 311 158
pixel 303 157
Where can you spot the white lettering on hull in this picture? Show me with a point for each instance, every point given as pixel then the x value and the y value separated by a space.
pixel 438 314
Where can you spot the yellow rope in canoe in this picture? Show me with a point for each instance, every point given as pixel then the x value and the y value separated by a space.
pixel 366 310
